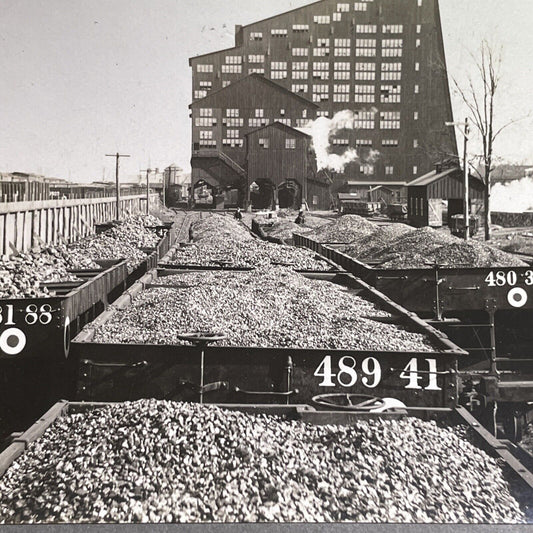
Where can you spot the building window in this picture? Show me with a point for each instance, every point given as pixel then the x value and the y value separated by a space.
pixel 415 115
pixel 321 70
pixel 322 19
pixel 231 69
pixel 418 28
pixel 204 68
pixel 206 112
pixel 340 142
pixel 256 58
pixel 359 6
pixel 417 67
pixel 417 89
pixel 419 3
pixel 282 112
pixel 367 170
pixel 231 112
pixel 391 47
pixel 339 65
pixel 322 114
pixel 315 200
pixel 265 143
pixel 389 142
pixel 278 74
pixel 366 28
pixel 233 122
pixel 300 65
pixel 208 143
pixel 206 134
pixel 341 52
pixel 256 71
pixel 300 27
pixel 290 144
pixel 364 120
pixel 392 28
pixel 225 83
pixel 278 32
pixel 259 113
pixel 343 43
pixel 415 170
pixel 304 113
pixel 391 71
pixel 415 143
pixel 322 43
pixel 363 142
pixel 365 71
pixel 232 134
pixel 286 121
pixel 417 43
pixel 258 122
pixel 391 94
pixel 206 84
pixel 200 94
pixel 341 97
pixel 341 75
pixel 300 51
pixel 365 47
pixel 364 94
pixel 233 60
pixel 256 36
pixel 389 170
pixel 299 88
pixel 390 120
pixel 337 17
pixel 321 52
pixel 233 143
pixel 205 122
pixel 320 92
pixel 345 8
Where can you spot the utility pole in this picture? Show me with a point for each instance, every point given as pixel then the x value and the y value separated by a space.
pixel 148 170
pixel 466 199
pixel 117 156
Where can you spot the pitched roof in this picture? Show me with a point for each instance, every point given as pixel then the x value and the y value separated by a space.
pixel 212 53
pixel 280 126
pixel 283 14
pixel 432 177
pixel 261 79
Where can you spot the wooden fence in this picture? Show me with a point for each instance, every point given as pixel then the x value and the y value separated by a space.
pixel 24 225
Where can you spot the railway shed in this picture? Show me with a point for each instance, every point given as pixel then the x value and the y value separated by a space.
pixel 281 162
pixel 425 195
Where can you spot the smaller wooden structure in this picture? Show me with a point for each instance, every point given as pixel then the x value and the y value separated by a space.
pixel 425 195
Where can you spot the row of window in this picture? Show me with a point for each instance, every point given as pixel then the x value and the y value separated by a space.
pixel 359 28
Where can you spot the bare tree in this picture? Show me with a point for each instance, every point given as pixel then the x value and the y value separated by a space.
pixel 479 95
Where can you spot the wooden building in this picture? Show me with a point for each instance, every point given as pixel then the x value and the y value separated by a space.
pixel 426 194
pixel 281 166
pixel 223 119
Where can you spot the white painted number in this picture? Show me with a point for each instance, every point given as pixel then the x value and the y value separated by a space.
pixel 411 374
pixel 9 318
pixel 42 314
pixel 501 279
pixel 529 277
pixel 347 375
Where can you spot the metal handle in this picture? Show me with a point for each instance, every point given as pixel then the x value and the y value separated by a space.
pixel 138 364
pixel 266 393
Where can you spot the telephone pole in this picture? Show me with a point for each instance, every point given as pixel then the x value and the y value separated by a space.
pixel 148 170
pixel 117 156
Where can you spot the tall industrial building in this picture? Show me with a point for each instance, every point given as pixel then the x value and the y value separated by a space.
pixel 381 59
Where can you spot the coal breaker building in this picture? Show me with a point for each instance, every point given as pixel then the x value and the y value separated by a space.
pixel 381 60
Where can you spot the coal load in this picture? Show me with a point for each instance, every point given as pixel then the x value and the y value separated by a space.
pixel 125 239
pixel 425 246
pixel 264 308
pixel 163 462
pixel 21 276
pixel 345 229
pixel 222 241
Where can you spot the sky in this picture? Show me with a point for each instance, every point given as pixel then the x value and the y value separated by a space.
pixel 84 78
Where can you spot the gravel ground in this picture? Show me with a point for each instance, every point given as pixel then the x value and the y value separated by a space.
pixel 264 308
pixel 159 461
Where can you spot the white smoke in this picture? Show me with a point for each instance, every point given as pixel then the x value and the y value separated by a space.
pixel 322 129
pixel 513 197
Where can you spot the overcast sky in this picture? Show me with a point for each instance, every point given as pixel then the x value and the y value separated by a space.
pixel 82 78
